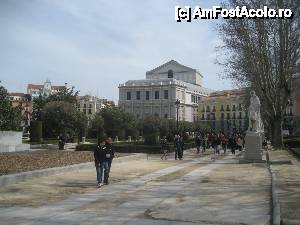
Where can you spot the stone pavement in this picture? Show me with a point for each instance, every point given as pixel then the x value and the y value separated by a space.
pixel 194 191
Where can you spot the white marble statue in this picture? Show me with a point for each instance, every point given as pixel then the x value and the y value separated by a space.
pixel 255 122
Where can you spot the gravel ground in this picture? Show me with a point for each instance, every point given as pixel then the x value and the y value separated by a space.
pixel 26 161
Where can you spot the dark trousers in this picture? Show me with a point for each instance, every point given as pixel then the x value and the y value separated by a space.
pixel 107 170
pixel 177 152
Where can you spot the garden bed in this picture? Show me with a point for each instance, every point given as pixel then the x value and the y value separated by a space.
pixel 15 162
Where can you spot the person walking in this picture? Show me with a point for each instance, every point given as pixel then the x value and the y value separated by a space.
pixel 99 159
pixel 232 144
pixel 239 142
pixel 198 142
pixel 180 156
pixel 204 142
pixel 109 154
pixel 164 149
pixel 177 146
pixel 218 143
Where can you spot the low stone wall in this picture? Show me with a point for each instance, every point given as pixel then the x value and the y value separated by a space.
pixel 11 141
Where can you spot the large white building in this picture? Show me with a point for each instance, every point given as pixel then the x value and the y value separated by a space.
pixel 156 95
pixel 43 89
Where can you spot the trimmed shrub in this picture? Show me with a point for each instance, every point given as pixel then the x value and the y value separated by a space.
pixel 36 131
pixel 151 139
pixel 292 141
pixel 125 147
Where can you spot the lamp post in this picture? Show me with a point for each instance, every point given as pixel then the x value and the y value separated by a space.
pixel 177 104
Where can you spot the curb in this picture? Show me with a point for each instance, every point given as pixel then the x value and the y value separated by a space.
pixel 290 222
pixel 276 212
pixel 23 176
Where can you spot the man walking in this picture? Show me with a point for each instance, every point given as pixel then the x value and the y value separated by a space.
pixel 109 154
pixel 99 159
pixel 198 142
pixel 177 146
pixel 164 149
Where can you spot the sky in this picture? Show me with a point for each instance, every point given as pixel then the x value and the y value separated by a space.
pixel 95 45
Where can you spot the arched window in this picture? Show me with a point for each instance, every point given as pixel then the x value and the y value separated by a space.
pixel 170 74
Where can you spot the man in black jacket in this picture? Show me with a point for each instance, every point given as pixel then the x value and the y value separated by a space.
pixel 109 154
pixel 99 159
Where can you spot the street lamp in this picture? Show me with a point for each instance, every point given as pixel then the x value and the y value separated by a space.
pixel 177 104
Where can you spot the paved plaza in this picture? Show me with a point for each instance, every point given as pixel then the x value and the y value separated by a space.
pixel 197 190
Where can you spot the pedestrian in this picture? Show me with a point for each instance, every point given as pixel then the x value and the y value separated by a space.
pixel 177 146
pixel 109 155
pixel 99 159
pixel 61 142
pixel 232 144
pixel 180 156
pixel 164 149
pixel 224 142
pixel 204 143
pixel 218 143
pixel 239 142
pixel 198 142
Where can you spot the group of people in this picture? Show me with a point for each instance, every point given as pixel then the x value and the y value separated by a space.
pixel 178 144
pixel 219 141
pixel 103 154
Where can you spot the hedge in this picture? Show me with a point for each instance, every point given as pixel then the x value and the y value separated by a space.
pixel 292 141
pixel 36 131
pixel 134 148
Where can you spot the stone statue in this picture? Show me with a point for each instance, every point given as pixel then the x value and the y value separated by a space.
pixel 255 122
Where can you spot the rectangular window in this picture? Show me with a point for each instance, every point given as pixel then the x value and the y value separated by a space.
pixel 147 95
pixel 228 116
pixel 166 116
pixel 90 111
pixel 138 95
pixel 240 115
pixel 128 95
pixel 240 107
pixel 222 116
pixel 227 108
pixel 222 107
pixel 156 95
pixel 233 108
pixel 166 94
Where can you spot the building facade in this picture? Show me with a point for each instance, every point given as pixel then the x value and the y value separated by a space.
pixel 43 89
pixel 156 95
pixel 90 105
pixel 224 111
pixel 23 100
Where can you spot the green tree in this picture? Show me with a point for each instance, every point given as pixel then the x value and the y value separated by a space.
pixel 10 117
pixel 63 95
pixel 118 123
pixel 96 128
pixel 262 53
pixel 151 127
pixel 61 117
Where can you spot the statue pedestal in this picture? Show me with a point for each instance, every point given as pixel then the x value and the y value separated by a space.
pixel 253 147
pixel 11 141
